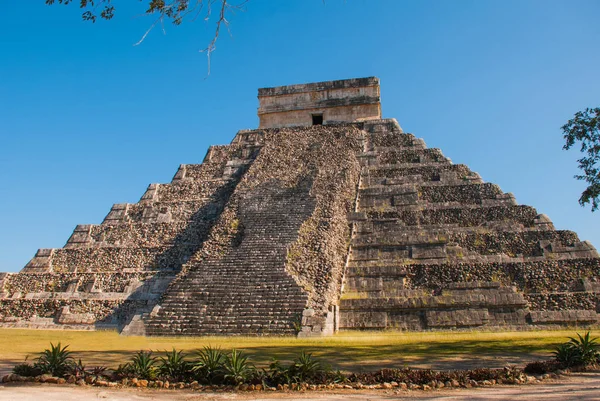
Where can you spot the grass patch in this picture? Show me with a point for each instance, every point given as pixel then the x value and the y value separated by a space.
pixel 350 351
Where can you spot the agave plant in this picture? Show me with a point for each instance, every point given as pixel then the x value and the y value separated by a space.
pixel 208 367
pixel 174 366
pixel 143 365
pixel 55 361
pixel 306 367
pixel 278 374
pixel 97 373
pixel 586 348
pixel 567 355
pixel 237 369
pixel 123 371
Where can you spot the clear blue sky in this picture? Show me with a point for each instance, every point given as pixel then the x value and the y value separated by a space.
pixel 88 120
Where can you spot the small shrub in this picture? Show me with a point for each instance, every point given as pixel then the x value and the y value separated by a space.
pixel 26 369
pixel 55 361
pixel 97 373
pixel 123 371
pixel 578 351
pixel 541 367
pixel 78 370
pixel 173 366
pixel 566 355
pixel 143 365
pixel 277 374
pixel 306 367
pixel 237 369
pixel 586 348
pixel 208 368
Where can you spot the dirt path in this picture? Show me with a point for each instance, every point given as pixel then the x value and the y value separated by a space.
pixel 582 386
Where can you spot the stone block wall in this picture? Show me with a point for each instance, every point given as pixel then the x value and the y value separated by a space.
pixel 435 247
pixel 335 101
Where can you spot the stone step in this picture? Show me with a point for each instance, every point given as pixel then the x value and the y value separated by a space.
pixel 137 235
pixel 526 243
pixel 477 300
pixel 114 259
pixel 164 212
pixel 402 196
pixel 81 282
pixel 463 216
pixel 188 190
pixel 391 156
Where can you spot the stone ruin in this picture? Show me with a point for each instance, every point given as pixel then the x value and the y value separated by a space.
pixel 327 217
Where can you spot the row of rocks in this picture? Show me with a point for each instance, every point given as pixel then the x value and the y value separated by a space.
pixel 194 385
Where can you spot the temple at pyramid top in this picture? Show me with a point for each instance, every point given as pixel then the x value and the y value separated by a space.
pixel 319 103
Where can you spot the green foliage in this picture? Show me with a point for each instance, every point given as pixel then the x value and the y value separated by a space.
pixel 123 371
pixel 208 368
pixel 584 128
pixel 78 370
pixel 278 374
pixel 143 365
pixel 173 10
pixel 26 369
pixel 173 366
pixel 97 373
pixel 586 347
pixel 237 369
pixel 578 351
pixel 566 355
pixel 305 368
pixel 55 361
pixel 297 323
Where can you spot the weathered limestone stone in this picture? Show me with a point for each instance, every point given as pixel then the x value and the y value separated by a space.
pixel 328 102
pixel 327 217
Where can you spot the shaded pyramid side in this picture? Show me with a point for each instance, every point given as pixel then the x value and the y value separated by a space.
pixel 108 273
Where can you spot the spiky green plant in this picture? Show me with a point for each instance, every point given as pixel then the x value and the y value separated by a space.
pixel 566 354
pixel 97 373
pixel 586 348
pixel 55 361
pixel 208 367
pixel 173 366
pixel 578 351
pixel 143 365
pixel 237 369
pixel 306 367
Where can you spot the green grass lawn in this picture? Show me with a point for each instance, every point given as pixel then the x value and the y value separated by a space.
pixel 349 351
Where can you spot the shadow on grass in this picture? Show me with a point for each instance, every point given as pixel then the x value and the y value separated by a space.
pixel 438 355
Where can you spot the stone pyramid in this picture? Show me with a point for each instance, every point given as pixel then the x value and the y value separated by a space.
pixel 327 217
